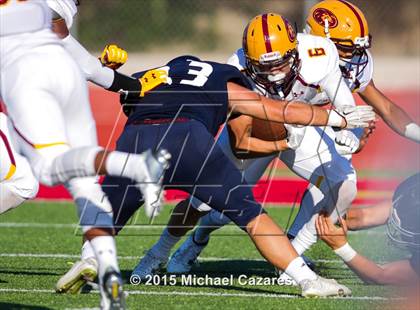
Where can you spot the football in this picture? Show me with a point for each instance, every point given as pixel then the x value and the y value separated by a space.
pixel 269 131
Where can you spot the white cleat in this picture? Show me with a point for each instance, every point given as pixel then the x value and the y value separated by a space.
pixel 149 179
pixel 74 279
pixel 321 287
pixel 185 257
pixel 112 294
pixel 149 265
pixel 285 279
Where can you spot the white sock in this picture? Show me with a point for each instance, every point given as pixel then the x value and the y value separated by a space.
pixel 106 253
pixel 306 237
pixel 122 164
pixel 166 242
pixel 87 251
pixel 299 271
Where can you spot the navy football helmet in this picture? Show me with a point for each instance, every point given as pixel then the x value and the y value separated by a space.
pixel 404 220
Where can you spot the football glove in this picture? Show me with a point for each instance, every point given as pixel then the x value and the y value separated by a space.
pixel 113 56
pixel 357 116
pixel 347 142
pixel 153 78
pixel 295 135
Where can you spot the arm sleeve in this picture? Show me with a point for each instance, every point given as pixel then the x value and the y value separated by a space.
pixel 90 65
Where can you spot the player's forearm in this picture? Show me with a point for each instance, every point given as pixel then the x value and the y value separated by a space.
pixel 394 116
pixel 250 103
pixel 92 68
pixel 298 113
pixel 366 269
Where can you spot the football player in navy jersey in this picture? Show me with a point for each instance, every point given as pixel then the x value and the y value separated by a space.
pixel 184 112
pixel 403 230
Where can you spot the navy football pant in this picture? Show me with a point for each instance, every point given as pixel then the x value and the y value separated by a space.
pixel 198 167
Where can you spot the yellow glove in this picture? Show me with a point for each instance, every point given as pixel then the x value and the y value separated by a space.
pixel 153 78
pixel 113 56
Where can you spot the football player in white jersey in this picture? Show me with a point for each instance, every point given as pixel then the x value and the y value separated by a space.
pixel 346 25
pixel 100 73
pixel 280 66
pixel 46 96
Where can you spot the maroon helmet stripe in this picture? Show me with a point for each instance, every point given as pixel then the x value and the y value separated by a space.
pixel 8 148
pixel 266 34
pixel 359 18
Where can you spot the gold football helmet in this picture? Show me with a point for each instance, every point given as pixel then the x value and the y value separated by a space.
pixel 345 24
pixel 270 47
pixel 342 22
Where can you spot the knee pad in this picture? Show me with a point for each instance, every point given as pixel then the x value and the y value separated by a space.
pixel 93 206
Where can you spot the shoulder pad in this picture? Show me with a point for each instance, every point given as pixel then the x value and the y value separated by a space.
pixel 237 59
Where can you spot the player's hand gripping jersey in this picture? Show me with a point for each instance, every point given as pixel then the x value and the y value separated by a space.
pixel 195 89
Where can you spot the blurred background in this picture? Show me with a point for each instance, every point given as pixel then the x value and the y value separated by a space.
pixel 158 30
pixel 155 31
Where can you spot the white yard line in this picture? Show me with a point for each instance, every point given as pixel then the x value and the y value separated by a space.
pixel 210 294
pixel 203 259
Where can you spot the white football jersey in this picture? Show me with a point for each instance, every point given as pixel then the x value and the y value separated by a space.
pixel 23 25
pixel 67 9
pixel 319 80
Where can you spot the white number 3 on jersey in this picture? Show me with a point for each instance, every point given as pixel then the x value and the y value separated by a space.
pixel 201 76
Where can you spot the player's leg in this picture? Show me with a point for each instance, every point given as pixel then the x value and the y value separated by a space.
pixel 235 200
pixel 17 182
pixel 186 255
pixel 38 110
pixel 186 214
pixel 333 189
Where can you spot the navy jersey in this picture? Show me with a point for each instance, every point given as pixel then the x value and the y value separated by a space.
pixel 196 90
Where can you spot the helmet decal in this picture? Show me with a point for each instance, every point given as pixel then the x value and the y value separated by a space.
pixel 290 31
pixel 322 14
pixel 359 18
pixel 266 34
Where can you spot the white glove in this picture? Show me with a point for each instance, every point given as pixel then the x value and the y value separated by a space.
pixel 347 142
pixel 412 131
pixel 295 135
pixel 355 116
